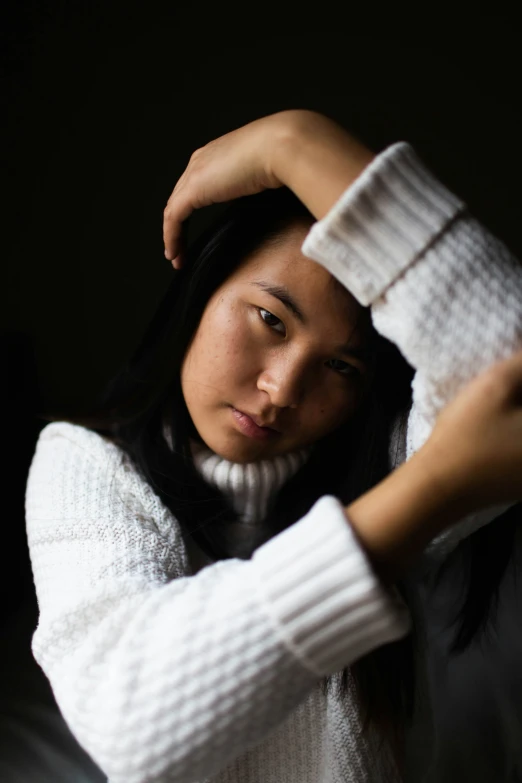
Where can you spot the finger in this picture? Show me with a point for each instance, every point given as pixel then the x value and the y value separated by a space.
pixel 178 209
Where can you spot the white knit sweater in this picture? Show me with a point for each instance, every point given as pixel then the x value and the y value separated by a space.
pixel 170 668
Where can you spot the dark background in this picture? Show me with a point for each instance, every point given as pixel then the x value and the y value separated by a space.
pixel 103 105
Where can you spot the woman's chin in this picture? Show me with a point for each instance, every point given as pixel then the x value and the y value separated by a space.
pixel 242 453
pixel 241 449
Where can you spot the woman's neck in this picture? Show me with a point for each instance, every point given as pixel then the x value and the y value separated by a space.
pixel 250 487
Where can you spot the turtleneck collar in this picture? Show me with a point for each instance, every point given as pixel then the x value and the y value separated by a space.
pixel 250 487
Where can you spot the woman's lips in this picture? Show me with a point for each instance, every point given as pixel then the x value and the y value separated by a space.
pixel 248 427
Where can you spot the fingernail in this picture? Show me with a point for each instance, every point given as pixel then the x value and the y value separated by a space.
pixel 167 254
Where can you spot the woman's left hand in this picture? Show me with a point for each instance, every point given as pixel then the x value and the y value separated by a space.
pixel 304 150
pixel 477 437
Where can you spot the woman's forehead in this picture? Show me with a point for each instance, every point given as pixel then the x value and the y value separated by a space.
pixel 304 280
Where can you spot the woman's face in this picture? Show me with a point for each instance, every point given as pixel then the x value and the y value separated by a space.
pixel 281 345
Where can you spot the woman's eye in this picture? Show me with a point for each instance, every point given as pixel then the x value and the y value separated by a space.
pixel 272 320
pixel 342 367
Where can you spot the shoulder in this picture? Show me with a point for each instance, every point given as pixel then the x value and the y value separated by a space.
pixel 71 452
pixel 61 435
pixel 75 470
pixel 89 509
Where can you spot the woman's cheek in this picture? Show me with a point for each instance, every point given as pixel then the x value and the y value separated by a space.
pixel 234 346
pixel 332 411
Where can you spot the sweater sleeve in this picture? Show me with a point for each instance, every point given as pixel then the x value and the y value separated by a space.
pixel 440 286
pixel 162 675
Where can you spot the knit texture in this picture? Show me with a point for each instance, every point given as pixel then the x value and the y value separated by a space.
pixel 165 672
pixel 252 487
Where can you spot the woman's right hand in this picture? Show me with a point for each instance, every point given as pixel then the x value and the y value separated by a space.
pixel 304 150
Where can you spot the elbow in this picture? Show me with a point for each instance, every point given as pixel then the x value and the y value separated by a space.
pixel 138 755
pixel 128 746
pixel 131 748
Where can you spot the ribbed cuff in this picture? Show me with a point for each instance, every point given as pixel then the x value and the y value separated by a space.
pixel 322 594
pixel 382 223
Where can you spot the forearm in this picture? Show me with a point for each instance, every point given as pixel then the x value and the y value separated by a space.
pixel 317 159
pixel 396 520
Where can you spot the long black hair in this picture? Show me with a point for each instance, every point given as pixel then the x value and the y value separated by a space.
pixel 145 395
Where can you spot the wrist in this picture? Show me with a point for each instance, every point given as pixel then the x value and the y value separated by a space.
pixel 397 518
pixel 317 159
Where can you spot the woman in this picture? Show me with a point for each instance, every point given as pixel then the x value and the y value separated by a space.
pixel 224 535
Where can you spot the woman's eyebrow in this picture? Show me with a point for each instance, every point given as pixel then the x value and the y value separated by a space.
pixel 283 294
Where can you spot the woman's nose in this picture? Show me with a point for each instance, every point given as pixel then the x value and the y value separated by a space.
pixel 283 383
